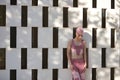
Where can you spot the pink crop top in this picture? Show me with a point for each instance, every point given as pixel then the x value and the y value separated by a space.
pixel 77 49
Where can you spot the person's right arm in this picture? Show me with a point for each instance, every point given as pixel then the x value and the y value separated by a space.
pixel 69 51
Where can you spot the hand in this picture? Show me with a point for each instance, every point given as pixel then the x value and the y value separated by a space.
pixel 71 67
pixel 85 66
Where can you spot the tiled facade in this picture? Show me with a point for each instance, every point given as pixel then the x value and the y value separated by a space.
pixel 34 36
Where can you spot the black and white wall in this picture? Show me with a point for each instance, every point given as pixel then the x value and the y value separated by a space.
pixel 34 36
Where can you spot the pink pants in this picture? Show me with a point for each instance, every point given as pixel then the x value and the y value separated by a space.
pixel 78 72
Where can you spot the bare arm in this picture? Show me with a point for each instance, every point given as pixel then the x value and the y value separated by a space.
pixel 85 56
pixel 69 51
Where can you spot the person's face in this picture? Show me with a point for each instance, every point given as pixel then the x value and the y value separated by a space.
pixel 79 35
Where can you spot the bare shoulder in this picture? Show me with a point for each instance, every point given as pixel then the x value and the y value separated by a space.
pixel 69 42
pixel 84 42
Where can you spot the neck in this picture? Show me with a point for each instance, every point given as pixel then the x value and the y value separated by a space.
pixel 78 40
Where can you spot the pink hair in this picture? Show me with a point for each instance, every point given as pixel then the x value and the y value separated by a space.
pixel 79 30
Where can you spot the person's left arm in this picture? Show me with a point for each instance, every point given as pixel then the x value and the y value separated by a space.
pixel 85 56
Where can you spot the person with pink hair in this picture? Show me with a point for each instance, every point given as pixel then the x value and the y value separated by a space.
pixel 76 54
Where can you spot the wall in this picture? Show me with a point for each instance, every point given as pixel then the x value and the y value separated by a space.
pixel 34 36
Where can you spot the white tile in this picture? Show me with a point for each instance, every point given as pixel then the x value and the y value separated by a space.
pixel 65 3
pixel 75 17
pixel 117 4
pixel 65 34
pixel 94 60
pixel 55 16
pixel 55 58
pixel 13 15
pixel 45 74
pixel 45 37
pixel 85 3
pixel 34 16
pixel 13 58
pixel 112 18
pixel 94 18
pixel 23 37
pixel 103 38
pixel 45 3
pixel 4 37
pixel 34 58
pixel 103 74
pixel 4 75
pixel 112 57
pixel 105 4
pixel 117 74
pixel 24 2
pixel 24 74
pixel 64 74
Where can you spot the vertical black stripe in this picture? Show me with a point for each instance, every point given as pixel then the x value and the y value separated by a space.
pixel 65 17
pixel 55 74
pixel 55 37
pixel 103 56
pixel 2 15
pixel 112 38
pixel 13 75
pixel 34 2
pixel 34 37
pixel 13 2
pixel 34 74
pixel 94 3
pixel 65 61
pixel 75 3
pixel 45 16
pixel 13 34
pixel 84 17
pixel 113 4
pixel 112 73
pixel 23 58
pixel 103 18
pixel 24 16
pixel 87 57
pixel 44 58
pixel 93 73
pixel 2 58
pixel 94 39
pixel 74 32
pixel 55 3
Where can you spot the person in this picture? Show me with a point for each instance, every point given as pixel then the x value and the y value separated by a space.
pixel 76 55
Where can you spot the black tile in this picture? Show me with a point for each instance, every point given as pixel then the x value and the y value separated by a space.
pixel 103 18
pixel 13 33
pixel 103 56
pixel 55 74
pixel 2 58
pixel 55 37
pixel 94 38
pixel 65 16
pixel 112 38
pixel 34 2
pixel 34 37
pixel 113 4
pixel 24 16
pixel 2 15
pixel 34 74
pixel 55 3
pixel 75 3
pixel 65 61
pixel 13 2
pixel 45 16
pixel 85 18
pixel 13 75
pixel 94 3
pixel 44 58
pixel 23 58
pixel 93 73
